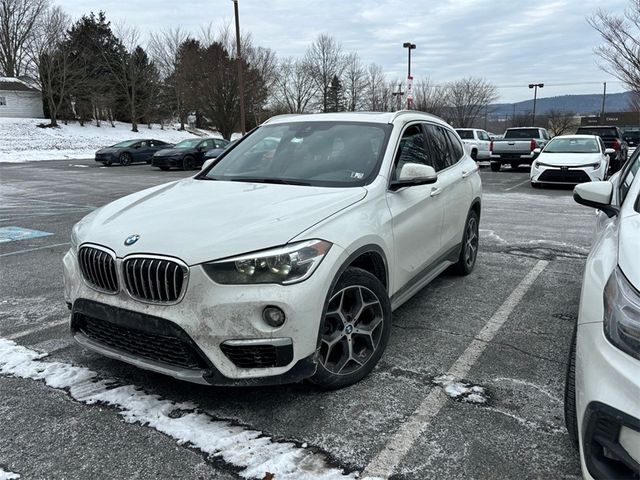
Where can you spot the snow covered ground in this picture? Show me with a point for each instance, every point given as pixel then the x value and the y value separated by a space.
pixel 22 140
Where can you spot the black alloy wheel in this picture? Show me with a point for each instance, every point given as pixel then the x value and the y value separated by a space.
pixel 125 159
pixel 469 249
pixel 189 163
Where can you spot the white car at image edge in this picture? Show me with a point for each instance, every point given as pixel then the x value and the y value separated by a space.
pixel 571 159
pixel 602 394
pixel 284 257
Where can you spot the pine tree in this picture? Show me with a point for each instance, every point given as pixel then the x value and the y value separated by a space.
pixel 335 96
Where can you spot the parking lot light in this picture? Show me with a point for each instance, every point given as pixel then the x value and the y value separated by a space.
pixel 535 87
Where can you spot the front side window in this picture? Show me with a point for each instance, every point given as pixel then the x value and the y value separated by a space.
pixel 412 149
pixel 629 175
pixel 332 154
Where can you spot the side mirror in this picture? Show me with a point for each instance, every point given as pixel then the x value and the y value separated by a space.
pixel 414 174
pixel 207 164
pixel 537 150
pixel 597 195
pixel 609 151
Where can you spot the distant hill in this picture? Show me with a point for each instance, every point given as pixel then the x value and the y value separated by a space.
pixel 579 104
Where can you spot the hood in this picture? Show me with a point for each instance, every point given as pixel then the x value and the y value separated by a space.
pixel 568 159
pixel 200 220
pixel 629 246
pixel 168 152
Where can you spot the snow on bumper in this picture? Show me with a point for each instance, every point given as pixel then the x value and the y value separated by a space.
pixel 211 314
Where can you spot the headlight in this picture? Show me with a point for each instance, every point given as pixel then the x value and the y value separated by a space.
pixel 284 265
pixel 595 165
pixel 622 314
pixel 74 238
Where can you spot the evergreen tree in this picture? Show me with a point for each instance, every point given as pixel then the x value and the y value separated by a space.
pixel 335 96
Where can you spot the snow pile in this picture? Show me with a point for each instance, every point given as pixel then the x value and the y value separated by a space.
pixel 22 140
pixel 462 391
pixel 249 450
pixel 4 475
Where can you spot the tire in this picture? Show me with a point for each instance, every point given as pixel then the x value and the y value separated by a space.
pixel 469 250
pixel 107 163
pixel 514 165
pixel 495 166
pixel 474 154
pixel 535 185
pixel 125 159
pixel 351 346
pixel 188 163
pixel 570 415
pixel 164 169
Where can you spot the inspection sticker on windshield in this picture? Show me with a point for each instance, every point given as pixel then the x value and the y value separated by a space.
pixel 11 234
pixel 357 175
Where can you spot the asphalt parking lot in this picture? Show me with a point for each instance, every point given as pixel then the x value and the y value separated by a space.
pixel 525 291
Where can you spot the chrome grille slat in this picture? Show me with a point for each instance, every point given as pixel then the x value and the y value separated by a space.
pixel 98 268
pixel 154 279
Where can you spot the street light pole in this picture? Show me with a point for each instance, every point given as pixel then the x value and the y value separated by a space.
pixel 409 46
pixel 535 87
pixel 239 60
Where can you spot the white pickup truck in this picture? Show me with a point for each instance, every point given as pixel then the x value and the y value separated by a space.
pixel 517 147
pixel 477 143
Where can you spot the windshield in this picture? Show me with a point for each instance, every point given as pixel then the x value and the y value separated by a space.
pixel 192 142
pixel 330 154
pixel 523 133
pixel 126 143
pixel 602 132
pixel 572 145
pixel 465 134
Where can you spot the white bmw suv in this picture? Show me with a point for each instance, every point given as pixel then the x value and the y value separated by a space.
pixel 284 258
pixel 602 393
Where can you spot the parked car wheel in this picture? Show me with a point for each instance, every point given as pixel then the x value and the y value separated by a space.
pixel 106 164
pixel 514 165
pixel 164 169
pixel 570 418
pixel 474 154
pixel 189 163
pixel 495 166
pixel 355 330
pixel 535 185
pixel 469 249
pixel 125 159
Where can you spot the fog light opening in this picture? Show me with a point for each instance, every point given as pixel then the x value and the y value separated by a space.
pixel 273 316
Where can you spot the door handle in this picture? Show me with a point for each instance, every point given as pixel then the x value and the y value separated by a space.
pixel 465 174
pixel 435 192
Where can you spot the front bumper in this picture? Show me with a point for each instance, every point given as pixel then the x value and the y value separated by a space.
pixel 166 161
pixel 105 157
pixel 566 175
pixel 608 406
pixel 210 317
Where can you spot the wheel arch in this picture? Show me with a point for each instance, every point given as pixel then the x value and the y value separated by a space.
pixel 476 206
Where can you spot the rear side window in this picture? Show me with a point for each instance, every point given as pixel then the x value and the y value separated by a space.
pixel 439 147
pixel 456 147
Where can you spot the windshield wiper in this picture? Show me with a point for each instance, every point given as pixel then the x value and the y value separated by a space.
pixel 277 181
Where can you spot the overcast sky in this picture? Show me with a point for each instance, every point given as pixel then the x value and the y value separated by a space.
pixel 510 42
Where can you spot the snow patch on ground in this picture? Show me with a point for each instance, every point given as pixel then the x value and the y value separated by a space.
pixel 462 391
pixel 4 475
pixel 22 140
pixel 246 449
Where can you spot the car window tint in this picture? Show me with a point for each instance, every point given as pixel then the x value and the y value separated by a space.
pixel 629 176
pixel 412 149
pixel 439 149
pixel 142 144
pixel 456 149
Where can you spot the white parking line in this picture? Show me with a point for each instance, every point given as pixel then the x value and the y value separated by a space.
pixel 33 249
pixel 44 326
pixel 385 463
pixel 516 186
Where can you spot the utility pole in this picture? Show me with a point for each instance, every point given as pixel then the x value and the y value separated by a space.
pixel 239 60
pixel 535 87
pixel 409 46
pixel 604 99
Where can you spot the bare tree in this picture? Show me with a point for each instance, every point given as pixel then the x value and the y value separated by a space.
pixel 634 102
pixel 430 98
pixel 375 86
pixel 621 48
pixel 325 60
pixel 18 20
pixel 355 82
pixel 560 122
pixel 165 50
pixel 467 98
pixel 295 87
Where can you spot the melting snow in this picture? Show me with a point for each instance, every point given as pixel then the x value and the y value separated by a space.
pixel 4 475
pixel 462 391
pixel 247 449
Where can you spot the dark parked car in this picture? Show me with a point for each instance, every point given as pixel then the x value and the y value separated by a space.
pixel 130 151
pixel 632 137
pixel 612 138
pixel 187 154
pixel 221 146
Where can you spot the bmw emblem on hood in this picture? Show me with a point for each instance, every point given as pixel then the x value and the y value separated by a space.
pixel 131 239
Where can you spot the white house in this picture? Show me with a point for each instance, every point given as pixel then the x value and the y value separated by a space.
pixel 19 99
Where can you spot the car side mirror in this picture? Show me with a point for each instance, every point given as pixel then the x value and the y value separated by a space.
pixel 207 164
pixel 609 151
pixel 537 150
pixel 597 195
pixel 414 174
